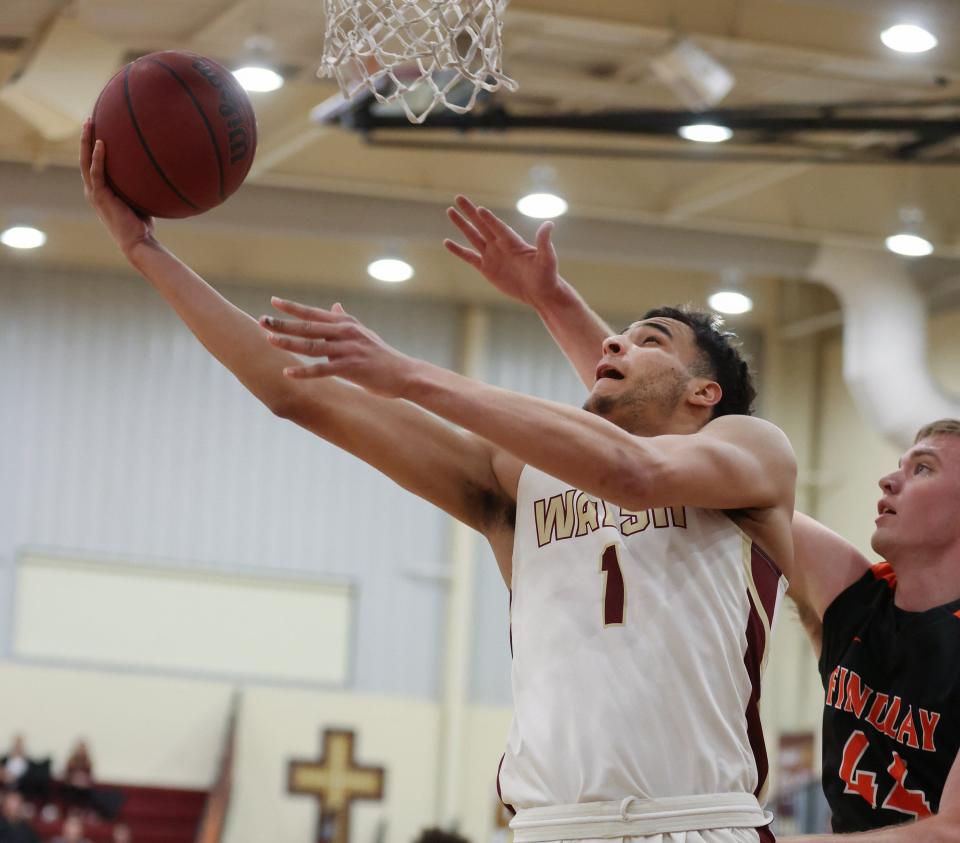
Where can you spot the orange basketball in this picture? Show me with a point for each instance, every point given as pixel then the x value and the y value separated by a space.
pixel 179 131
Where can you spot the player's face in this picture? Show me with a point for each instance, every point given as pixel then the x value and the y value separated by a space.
pixel 645 368
pixel 918 511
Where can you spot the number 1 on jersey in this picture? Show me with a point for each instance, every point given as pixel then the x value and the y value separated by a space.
pixel 614 595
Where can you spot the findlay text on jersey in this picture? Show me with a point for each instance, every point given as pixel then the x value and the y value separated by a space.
pixel 847 692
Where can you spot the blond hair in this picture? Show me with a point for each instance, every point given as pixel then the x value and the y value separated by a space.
pixel 941 427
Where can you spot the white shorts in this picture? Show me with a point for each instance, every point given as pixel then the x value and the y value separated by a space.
pixel 713 818
pixel 715 835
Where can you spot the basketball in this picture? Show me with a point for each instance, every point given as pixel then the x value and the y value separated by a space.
pixel 180 133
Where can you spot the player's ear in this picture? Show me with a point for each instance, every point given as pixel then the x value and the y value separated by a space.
pixel 705 392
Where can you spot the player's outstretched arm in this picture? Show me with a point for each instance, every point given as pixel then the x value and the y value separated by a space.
pixel 943 827
pixel 452 469
pixel 528 273
pixel 824 565
pixel 734 462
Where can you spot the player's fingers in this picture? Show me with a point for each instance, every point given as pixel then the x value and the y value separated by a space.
pixel 304 328
pixel 499 229
pixel 476 239
pixel 465 205
pixel 299 345
pixel 86 153
pixel 289 327
pixel 316 370
pixel 468 209
pixel 482 222
pixel 305 311
pixel 462 252
pixel 96 165
pixel 472 213
pixel 543 236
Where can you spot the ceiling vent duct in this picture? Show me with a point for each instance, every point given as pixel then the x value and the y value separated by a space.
pixel 56 85
pixel 697 79
pixel 884 342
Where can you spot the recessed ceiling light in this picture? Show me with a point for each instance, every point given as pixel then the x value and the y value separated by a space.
pixel 542 206
pixel 705 133
pixel 258 79
pixel 908 38
pixel 391 270
pixel 730 301
pixel 23 237
pixel 909 245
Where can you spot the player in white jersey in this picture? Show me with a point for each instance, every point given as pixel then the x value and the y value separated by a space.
pixel 640 608
pixel 656 628
pixel 884 634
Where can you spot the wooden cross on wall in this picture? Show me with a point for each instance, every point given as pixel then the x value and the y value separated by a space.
pixel 336 780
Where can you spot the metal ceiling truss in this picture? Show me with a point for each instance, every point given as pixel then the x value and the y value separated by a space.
pixel 888 132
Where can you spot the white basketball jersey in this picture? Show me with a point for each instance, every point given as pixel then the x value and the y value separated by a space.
pixel 638 641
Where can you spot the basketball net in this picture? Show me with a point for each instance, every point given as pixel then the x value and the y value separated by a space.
pixel 422 53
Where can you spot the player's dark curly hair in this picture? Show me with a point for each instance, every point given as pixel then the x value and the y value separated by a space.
pixel 720 358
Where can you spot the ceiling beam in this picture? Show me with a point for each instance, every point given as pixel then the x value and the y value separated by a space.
pixel 570 30
pixel 727 185
pixel 329 210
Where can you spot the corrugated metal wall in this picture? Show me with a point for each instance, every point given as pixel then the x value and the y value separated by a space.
pixel 120 437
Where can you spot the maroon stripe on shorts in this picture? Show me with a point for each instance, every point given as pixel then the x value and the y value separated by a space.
pixel 509 807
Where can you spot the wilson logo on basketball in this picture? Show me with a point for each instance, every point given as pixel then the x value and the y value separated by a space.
pixel 231 110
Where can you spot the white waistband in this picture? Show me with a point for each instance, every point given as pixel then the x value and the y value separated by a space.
pixel 633 817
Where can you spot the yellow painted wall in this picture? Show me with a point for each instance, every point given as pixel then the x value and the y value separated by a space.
pixel 168 731
pixel 277 725
pixel 486 733
pixel 141 729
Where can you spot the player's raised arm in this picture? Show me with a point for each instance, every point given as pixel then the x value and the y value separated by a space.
pixel 732 462
pixel 824 565
pixel 735 462
pixel 451 468
pixel 528 273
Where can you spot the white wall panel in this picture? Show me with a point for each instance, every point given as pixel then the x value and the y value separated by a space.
pixel 131 442
pixel 11 441
pixel 192 621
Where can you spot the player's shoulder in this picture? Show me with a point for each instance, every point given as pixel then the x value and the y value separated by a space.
pixel 874 585
pixel 738 423
pixel 763 438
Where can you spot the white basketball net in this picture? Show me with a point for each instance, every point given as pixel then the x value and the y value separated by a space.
pixel 419 52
